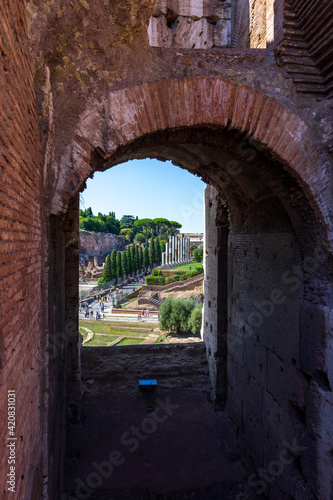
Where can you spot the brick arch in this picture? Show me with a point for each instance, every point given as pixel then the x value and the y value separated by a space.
pixel 134 112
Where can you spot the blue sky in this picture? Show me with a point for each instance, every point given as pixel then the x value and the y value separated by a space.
pixel 148 188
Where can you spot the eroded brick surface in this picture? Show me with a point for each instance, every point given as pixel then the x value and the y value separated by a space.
pixel 254 123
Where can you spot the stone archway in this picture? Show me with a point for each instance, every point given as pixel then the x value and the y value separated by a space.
pixel 131 113
pixel 268 175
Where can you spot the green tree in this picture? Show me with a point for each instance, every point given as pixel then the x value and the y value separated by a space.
pixel 152 253
pixel 128 233
pixel 146 224
pixel 145 257
pixel 114 264
pixel 165 315
pixel 158 251
pixel 134 258
pixel 197 254
pixel 140 258
pixel 140 238
pixel 175 314
pixel 173 227
pixel 124 262
pixel 119 266
pixel 129 260
pixel 195 320
pixel 127 220
pixel 160 225
pixel 107 271
pixel 162 245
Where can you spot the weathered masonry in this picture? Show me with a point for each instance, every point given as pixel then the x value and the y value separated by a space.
pixel 239 93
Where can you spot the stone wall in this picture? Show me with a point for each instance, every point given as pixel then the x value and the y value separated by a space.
pixel 190 24
pixel 267 389
pixel 22 318
pixel 277 384
pixel 99 244
pixel 173 365
pixel 215 312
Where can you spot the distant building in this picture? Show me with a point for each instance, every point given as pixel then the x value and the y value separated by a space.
pixel 196 239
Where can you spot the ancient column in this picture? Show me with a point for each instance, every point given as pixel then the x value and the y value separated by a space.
pixel 173 250
pixel 170 251
pixel 176 250
pixel 167 254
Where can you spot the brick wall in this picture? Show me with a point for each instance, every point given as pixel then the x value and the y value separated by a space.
pixel 266 386
pixel 215 313
pixel 240 35
pixel 315 20
pixel 21 316
pixel 257 24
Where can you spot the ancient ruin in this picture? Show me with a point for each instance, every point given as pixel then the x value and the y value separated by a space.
pixel 238 93
pixel 177 251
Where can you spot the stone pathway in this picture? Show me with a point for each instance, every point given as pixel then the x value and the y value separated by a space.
pixel 151 339
pixel 116 341
pixel 187 451
pixel 90 334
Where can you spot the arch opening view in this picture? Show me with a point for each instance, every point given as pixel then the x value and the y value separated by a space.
pixel 228 392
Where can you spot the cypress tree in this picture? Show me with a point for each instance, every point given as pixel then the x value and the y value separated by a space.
pixel 107 271
pixel 140 258
pixel 114 264
pixel 145 257
pixel 124 263
pixel 158 251
pixel 137 257
pixel 129 260
pixel 119 267
pixel 134 258
pixel 152 255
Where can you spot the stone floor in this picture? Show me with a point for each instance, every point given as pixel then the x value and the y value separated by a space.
pixel 163 446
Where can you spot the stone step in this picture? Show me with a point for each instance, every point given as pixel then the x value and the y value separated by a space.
pixel 311 89
pixel 308 79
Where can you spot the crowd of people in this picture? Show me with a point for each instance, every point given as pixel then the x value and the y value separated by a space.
pixel 144 313
pixel 112 296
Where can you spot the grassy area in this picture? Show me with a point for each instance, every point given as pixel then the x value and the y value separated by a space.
pixel 99 341
pixel 129 341
pixel 135 333
pixel 83 333
pixel 111 327
pixel 186 267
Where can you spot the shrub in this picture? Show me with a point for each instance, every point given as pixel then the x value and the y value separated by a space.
pixel 156 272
pixel 195 320
pixel 168 280
pixel 175 314
pixel 175 278
pixel 100 281
pixel 180 273
pixel 155 280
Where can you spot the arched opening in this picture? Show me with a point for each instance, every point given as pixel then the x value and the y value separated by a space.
pixel 265 220
pixel 136 253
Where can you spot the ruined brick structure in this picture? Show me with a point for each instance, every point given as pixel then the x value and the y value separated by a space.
pixel 82 88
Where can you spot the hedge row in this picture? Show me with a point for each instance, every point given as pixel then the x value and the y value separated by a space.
pixel 164 279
